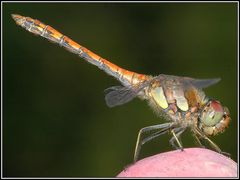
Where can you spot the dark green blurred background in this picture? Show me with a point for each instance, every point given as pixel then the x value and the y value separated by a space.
pixel 55 120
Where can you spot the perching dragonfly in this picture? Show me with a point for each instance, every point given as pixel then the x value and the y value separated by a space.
pixel 180 100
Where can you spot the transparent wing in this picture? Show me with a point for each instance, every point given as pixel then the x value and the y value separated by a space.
pixel 118 95
pixel 201 83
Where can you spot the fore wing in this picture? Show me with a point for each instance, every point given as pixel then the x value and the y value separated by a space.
pixel 200 83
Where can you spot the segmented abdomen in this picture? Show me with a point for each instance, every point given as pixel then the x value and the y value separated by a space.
pixel 34 26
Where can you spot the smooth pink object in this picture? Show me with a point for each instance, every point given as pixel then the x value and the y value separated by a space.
pixel 192 162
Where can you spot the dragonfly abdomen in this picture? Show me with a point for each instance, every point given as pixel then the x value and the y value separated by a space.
pixel 36 27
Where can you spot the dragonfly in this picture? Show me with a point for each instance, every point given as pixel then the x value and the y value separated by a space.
pixel 181 101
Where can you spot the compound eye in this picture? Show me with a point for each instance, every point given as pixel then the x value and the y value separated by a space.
pixel 212 114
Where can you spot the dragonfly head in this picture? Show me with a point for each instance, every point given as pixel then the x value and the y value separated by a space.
pixel 214 118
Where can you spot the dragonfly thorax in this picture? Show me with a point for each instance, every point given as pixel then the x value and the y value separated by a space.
pixel 169 94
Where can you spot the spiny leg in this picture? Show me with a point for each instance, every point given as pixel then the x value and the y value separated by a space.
pixel 212 144
pixel 199 141
pixel 154 135
pixel 144 130
pixel 216 147
pixel 176 137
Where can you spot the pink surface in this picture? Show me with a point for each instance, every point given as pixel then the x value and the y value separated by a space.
pixel 192 162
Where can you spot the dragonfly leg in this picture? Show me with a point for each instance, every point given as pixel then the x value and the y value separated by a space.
pixel 154 135
pixel 211 143
pixel 162 128
pixel 199 141
pixel 216 147
pixel 176 137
